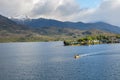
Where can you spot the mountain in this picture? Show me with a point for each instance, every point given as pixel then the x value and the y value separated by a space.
pixel 20 30
pixel 9 28
pixel 41 22
pixel 9 25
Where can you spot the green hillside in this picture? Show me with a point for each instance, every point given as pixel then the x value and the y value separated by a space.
pixel 10 31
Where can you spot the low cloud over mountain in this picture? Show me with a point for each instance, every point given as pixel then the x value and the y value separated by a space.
pixel 65 10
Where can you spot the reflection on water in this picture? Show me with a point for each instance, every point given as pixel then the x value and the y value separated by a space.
pixel 53 61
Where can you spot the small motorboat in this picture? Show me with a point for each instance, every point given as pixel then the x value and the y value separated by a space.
pixel 77 56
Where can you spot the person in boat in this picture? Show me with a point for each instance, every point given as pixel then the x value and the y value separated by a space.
pixel 77 56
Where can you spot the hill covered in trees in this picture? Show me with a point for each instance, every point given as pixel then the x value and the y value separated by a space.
pixel 91 40
pixel 11 31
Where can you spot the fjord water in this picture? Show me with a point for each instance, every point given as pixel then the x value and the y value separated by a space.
pixel 53 61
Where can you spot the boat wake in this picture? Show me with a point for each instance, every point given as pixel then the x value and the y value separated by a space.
pixel 95 53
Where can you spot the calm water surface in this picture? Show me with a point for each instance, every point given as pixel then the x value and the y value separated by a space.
pixel 53 61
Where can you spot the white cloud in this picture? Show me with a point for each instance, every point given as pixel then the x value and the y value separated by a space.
pixel 66 10
pixel 108 11
pixel 15 7
pixel 59 9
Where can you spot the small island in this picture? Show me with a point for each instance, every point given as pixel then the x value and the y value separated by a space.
pixel 92 40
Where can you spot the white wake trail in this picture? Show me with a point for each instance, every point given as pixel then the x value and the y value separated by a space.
pixel 95 53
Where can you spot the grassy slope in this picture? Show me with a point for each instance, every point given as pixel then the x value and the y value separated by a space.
pixel 47 34
pixel 12 32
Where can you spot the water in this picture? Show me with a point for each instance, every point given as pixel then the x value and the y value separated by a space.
pixel 53 61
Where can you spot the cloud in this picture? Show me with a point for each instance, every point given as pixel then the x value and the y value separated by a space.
pixel 108 11
pixel 15 7
pixel 65 10
pixel 58 9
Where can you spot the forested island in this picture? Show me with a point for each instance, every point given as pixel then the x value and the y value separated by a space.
pixel 91 40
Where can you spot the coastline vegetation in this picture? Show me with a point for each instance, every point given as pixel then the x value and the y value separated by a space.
pixel 92 40
pixel 67 40
pixel 42 38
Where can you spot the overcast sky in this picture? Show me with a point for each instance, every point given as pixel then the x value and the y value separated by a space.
pixel 64 10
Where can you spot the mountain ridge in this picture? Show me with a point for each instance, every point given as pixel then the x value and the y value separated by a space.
pixel 11 31
pixel 42 22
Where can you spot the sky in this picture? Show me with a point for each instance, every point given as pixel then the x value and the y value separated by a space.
pixel 89 3
pixel 64 10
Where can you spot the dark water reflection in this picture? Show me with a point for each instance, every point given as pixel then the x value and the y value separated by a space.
pixel 53 61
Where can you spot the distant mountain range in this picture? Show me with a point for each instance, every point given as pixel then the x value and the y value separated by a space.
pixel 9 27
pixel 41 22
pixel 48 29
